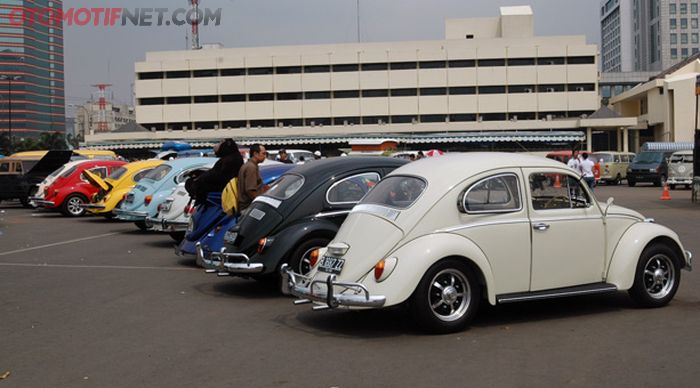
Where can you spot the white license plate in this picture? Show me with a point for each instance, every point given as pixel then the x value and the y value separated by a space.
pixel 331 264
pixel 230 237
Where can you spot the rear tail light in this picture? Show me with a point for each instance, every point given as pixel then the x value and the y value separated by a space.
pixel 384 268
pixel 147 200
pixel 264 243
pixel 190 209
pixel 379 269
pixel 313 257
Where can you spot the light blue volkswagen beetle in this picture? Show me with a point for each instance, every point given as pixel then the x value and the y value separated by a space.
pixel 142 201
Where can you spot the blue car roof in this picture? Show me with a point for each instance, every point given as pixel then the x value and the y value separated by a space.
pixel 181 163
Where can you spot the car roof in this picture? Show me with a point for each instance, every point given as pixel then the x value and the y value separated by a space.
pixel 323 167
pixel 181 163
pixel 454 167
pixel 684 152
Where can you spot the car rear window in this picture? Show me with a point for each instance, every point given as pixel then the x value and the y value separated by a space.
pixel 286 186
pixel 69 172
pixel 399 192
pixel 158 173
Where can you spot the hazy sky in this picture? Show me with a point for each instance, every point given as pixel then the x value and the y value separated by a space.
pixel 107 54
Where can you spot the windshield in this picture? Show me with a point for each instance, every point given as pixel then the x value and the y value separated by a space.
pixel 158 173
pixel 607 158
pixel 680 158
pixel 286 186
pixel 117 173
pixel 649 157
pixel 397 191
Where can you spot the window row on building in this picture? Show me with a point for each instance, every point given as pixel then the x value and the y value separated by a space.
pixel 368 120
pixel 682 8
pixel 369 93
pixel 685 52
pixel 379 66
pixel 673 23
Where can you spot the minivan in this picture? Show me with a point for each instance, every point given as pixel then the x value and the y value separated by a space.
pixel 649 166
pixel 680 169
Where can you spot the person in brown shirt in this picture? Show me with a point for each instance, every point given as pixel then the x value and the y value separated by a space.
pixel 249 179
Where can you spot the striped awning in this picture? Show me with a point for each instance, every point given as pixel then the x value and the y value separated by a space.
pixel 663 146
pixel 423 138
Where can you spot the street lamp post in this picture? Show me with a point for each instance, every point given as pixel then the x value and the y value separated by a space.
pixel 9 79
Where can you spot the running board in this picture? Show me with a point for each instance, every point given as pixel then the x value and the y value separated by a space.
pixel 587 289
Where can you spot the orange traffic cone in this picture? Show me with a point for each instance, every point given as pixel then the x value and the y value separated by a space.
pixel 666 196
pixel 557 182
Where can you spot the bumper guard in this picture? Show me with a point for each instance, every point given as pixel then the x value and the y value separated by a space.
pixel 92 206
pixel 42 202
pixel 130 213
pixel 167 225
pixel 307 289
pixel 225 264
pixel 688 261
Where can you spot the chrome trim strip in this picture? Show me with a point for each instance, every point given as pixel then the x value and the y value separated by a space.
pixel 378 210
pixel 331 214
pixel 268 200
pixel 555 294
pixel 479 224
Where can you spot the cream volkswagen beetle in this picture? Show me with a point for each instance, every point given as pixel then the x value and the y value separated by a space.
pixel 441 234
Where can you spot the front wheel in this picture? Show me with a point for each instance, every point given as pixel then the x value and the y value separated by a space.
pixel 72 206
pixel 618 180
pixel 631 182
pixel 26 203
pixel 657 276
pixel 177 236
pixel 141 225
pixel 446 298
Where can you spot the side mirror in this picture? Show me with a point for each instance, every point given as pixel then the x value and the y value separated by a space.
pixel 608 203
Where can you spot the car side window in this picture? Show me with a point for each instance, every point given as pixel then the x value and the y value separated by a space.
pixel 494 194
pixel 138 176
pixel 4 167
pixel 616 158
pixel 351 189
pixel 552 191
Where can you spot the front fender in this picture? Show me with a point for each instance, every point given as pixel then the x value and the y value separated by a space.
pixel 289 238
pixel 623 263
pixel 417 256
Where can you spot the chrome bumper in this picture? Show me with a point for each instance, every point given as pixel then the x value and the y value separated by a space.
pixel 309 291
pixel 92 206
pixel 129 213
pixel 41 202
pixel 679 181
pixel 688 261
pixel 165 224
pixel 225 264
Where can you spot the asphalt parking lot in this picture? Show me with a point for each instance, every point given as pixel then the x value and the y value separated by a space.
pixel 89 302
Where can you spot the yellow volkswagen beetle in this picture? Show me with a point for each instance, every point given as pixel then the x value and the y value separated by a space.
pixel 116 185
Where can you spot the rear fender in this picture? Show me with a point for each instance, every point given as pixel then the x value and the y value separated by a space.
pixel 416 257
pixel 288 239
pixel 623 264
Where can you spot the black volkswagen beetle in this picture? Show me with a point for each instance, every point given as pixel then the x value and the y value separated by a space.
pixel 301 212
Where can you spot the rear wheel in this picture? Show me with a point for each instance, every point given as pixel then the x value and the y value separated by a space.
pixel 71 206
pixel 446 298
pixel 618 180
pixel 657 276
pixel 25 203
pixel 141 225
pixel 300 261
pixel 177 236
pixel 631 182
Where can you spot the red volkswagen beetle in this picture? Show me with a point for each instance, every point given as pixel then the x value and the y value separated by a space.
pixel 71 190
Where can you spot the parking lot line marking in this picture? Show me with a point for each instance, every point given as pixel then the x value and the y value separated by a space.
pixel 58 243
pixel 95 266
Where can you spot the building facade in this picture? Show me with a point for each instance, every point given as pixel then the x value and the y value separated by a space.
pixel 31 70
pixel 487 75
pixel 665 106
pixel 616 36
pixel 87 117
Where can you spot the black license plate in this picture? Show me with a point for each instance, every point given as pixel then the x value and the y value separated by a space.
pixel 331 264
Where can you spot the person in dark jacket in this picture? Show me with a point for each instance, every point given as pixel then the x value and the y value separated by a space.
pixel 214 180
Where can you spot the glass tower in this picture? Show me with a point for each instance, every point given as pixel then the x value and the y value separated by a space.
pixel 32 97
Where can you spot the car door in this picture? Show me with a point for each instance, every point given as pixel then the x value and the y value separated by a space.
pixel 568 245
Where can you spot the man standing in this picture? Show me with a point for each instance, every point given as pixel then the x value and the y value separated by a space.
pixel 249 179
pixel 284 157
pixel 573 163
pixel 587 171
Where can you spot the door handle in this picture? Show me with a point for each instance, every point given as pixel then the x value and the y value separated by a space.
pixel 541 226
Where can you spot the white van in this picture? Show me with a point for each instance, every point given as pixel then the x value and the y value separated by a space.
pixel 680 169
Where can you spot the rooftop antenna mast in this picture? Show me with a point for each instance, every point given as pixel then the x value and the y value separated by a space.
pixel 194 21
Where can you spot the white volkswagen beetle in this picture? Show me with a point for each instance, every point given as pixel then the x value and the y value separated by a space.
pixel 444 233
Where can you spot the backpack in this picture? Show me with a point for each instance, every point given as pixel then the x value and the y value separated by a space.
pixel 229 197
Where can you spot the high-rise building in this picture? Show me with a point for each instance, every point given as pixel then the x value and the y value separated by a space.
pixel 31 69
pixel 647 35
pixel 616 54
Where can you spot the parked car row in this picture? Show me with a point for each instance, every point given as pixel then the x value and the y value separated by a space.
pixel 374 232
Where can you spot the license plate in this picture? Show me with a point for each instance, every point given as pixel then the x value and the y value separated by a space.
pixel 331 264
pixel 230 237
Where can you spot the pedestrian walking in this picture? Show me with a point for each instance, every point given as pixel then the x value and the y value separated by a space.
pixel 587 167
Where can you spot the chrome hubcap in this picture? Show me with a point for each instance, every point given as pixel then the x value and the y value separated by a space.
pixel 305 262
pixel 659 276
pixel 449 295
pixel 74 206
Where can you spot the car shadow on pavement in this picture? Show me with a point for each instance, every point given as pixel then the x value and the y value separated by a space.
pixel 240 288
pixel 394 321
pixel 165 242
pixel 189 262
